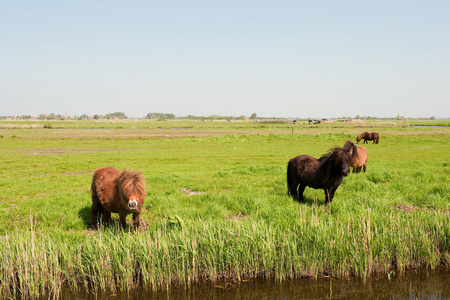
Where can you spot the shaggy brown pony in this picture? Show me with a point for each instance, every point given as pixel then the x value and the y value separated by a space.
pixel 117 192
pixel 368 136
pixel 324 173
pixel 360 160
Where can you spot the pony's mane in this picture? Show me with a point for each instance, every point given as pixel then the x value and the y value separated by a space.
pixel 332 154
pixel 132 183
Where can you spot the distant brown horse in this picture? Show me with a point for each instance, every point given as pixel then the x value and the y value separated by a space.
pixel 117 192
pixel 368 136
pixel 360 160
pixel 324 173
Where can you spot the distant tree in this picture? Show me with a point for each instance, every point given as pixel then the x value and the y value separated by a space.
pixel 160 116
pixel 119 115
pixel 84 117
pixel 357 117
pixel 433 118
pixel 253 116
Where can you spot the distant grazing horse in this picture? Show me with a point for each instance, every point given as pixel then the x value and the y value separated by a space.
pixel 358 161
pixel 368 136
pixel 324 173
pixel 117 192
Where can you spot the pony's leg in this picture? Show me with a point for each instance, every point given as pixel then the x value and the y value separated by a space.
pixel 364 168
pixel 136 221
pixel 106 217
pixel 95 208
pixel 123 219
pixel 301 189
pixel 329 194
pixel 328 197
pixel 293 189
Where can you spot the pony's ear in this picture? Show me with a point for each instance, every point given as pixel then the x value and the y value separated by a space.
pixel 355 151
pixel 350 146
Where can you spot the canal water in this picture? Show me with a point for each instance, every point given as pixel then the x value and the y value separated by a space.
pixel 418 284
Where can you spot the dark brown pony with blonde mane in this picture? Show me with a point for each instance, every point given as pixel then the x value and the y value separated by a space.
pixel 325 173
pixel 113 191
pixel 360 160
pixel 368 136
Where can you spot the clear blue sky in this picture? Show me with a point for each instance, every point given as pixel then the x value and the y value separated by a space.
pixel 273 58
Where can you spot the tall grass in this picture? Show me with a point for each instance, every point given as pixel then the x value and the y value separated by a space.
pixel 317 244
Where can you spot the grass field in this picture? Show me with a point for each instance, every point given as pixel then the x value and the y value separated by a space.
pixel 217 204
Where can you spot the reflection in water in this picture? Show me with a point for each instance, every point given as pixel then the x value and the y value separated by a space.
pixel 410 285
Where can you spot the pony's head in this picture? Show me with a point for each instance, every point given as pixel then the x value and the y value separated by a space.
pixel 351 149
pixel 131 186
pixel 361 136
pixel 339 159
pixel 344 162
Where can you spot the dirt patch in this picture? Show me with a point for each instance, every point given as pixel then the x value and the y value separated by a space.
pixel 17 126
pixel 406 208
pixel 56 151
pixel 237 217
pixel 355 121
pixel 191 192
pixel 77 173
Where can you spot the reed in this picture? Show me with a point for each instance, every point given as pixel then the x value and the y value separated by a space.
pixel 113 259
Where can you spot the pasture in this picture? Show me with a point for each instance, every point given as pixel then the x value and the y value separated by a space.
pixel 217 205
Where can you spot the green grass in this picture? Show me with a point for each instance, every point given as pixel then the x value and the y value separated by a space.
pixel 217 207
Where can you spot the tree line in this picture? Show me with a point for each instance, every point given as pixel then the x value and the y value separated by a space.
pixel 120 116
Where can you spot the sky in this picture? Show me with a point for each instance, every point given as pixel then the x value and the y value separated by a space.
pixel 318 59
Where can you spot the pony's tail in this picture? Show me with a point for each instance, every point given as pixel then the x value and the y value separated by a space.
pixel 289 179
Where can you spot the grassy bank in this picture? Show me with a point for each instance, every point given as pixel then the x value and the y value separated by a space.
pixel 217 207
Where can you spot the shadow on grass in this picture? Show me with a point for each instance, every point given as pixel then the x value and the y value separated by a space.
pixel 85 214
pixel 310 201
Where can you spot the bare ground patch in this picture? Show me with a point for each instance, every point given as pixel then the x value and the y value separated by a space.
pixel 238 217
pixel 77 173
pixel 56 151
pixel 406 208
pixel 190 192
pixel 411 208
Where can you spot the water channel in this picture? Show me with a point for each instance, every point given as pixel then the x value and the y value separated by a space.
pixel 415 284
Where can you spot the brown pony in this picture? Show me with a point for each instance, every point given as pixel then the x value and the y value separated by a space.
pixel 368 136
pixel 324 173
pixel 360 160
pixel 116 192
